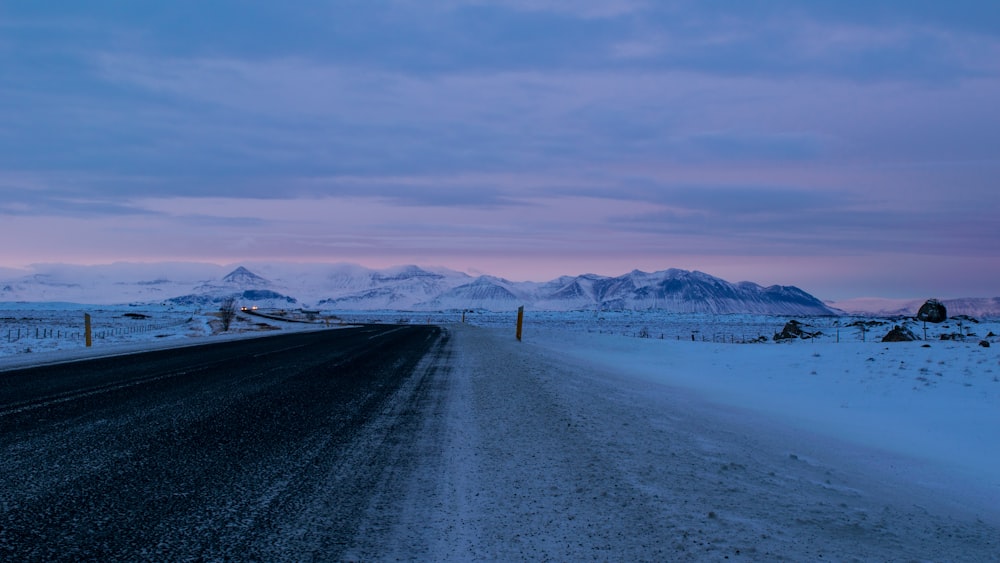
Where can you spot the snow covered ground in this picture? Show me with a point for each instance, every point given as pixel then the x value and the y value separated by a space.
pixel 588 441
pixel 572 446
pixel 938 406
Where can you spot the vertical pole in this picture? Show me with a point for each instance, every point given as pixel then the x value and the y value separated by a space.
pixel 520 321
pixel 463 317
pixel 86 329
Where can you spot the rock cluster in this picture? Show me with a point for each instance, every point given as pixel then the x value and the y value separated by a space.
pixel 793 329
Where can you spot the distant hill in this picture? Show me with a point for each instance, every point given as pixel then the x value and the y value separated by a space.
pixel 985 307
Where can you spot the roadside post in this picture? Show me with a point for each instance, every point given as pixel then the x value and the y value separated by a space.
pixel 86 329
pixel 520 321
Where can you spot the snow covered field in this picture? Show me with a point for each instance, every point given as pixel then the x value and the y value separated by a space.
pixel 939 405
pixel 562 445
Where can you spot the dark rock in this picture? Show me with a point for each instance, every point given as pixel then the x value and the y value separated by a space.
pixel 899 334
pixel 793 329
pixel 984 343
pixel 933 311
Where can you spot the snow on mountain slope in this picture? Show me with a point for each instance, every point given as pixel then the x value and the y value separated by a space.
pixel 107 283
pixel 680 291
pixel 409 287
pixel 244 278
pixel 245 286
pixel 486 292
pixel 573 292
pixel 403 287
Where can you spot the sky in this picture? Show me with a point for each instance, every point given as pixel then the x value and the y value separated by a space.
pixel 850 148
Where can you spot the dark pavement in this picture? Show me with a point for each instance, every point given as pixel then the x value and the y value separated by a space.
pixel 265 449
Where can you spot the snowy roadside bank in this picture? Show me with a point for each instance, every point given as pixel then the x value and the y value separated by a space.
pixel 536 453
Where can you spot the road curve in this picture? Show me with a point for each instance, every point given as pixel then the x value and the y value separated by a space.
pixel 211 452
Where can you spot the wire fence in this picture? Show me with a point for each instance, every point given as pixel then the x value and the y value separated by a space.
pixel 16 334
pixel 54 329
pixel 702 327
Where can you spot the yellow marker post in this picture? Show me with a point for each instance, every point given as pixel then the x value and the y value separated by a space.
pixel 520 321
pixel 86 329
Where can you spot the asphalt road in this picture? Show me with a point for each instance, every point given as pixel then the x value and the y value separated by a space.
pixel 267 449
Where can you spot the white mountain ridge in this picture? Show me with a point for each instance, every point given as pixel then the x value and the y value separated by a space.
pixel 354 287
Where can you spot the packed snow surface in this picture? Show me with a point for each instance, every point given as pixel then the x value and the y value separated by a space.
pixel 636 437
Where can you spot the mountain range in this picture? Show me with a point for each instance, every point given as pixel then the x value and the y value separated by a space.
pixel 354 287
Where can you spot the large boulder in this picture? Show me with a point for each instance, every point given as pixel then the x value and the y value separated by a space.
pixel 793 329
pixel 933 311
pixel 899 334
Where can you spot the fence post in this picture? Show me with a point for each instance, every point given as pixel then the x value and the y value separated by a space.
pixel 520 321
pixel 86 329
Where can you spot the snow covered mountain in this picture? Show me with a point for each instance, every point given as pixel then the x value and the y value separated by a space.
pixel 354 287
pixel 679 291
pixel 404 287
pixel 484 292
pixel 244 278
pixel 247 287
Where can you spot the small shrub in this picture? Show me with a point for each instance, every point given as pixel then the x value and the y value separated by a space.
pixel 227 312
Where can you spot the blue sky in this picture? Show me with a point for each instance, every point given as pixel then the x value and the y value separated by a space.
pixel 850 148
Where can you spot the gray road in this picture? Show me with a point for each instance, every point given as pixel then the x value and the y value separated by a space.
pixel 269 449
